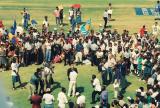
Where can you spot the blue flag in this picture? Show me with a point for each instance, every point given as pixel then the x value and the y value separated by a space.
pixel 14 27
pixel 85 28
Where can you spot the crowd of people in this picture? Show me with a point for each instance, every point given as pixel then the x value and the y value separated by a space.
pixel 115 55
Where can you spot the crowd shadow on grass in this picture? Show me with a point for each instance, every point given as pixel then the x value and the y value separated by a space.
pixel 80 89
pixel 55 86
pixel 23 85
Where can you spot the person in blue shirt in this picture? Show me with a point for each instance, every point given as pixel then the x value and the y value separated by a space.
pixel 79 50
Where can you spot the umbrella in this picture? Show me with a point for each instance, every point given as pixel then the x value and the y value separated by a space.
pixel 60 7
pixel 76 6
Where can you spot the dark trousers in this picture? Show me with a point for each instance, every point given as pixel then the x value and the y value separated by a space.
pixel 109 72
pixel 67 58
pixel 61 21
pixel 105 21
pixel 93 58
pixel 104 77
pixel 94 93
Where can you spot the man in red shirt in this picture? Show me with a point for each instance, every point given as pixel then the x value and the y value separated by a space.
pixel 143 31
pixel 36 100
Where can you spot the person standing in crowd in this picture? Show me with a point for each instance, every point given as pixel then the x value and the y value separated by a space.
pixel 3 59
pixel 62 98
pixel 110 12
pixel 48 51
pixel 57 15
pixel 48 99
pixel 155 30
pixel 97 88
pixel 116 88
pixel 71 14
pixel 111 64
pixel 78 16
pixel 72 68
pixel 67 53
pixel 15 73
pixel 79 50
pixel 81 100
pixel 72 83
pixel 105 18
pixel 104 98
pixel 28 47
pixel 61 17
pixel 25 19
pixel 36 100
pixel 45 24
pixel 34 82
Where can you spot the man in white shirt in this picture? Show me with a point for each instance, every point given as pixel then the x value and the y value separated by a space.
pixel 14 73
pixel 62 98
pixel 48 51
pixel 67 53
pixel 81 100
pixel 97 88
pixel 72 83
pixel 155 29
pixel 105 17
pixel 48 99
pixel 71 14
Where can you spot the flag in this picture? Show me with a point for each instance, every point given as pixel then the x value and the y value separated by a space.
pixel 145 11
pixel 85 28
pixel 14 27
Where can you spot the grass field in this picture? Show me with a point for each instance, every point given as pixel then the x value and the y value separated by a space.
pixel 123 12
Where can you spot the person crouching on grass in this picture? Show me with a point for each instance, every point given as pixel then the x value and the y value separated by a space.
pixel 15 75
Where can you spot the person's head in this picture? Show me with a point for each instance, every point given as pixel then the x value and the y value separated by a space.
pixel 144 26
pixel 46 18
pixel 156 23
pixel 24 9
pixel 103 88
pixel 57 8
pixel 158 2
pixel 63 90
pixel 72 65
pixel 93 76
pixel 78 94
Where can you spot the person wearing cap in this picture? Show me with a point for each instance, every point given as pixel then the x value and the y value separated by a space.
pixel 97 88
pixel 48 99
pixel 72 83
pixel 81 100
pixel 62 98
pixel 36 100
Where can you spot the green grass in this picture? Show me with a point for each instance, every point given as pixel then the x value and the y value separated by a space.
pixel 20 96
pixel 123 12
